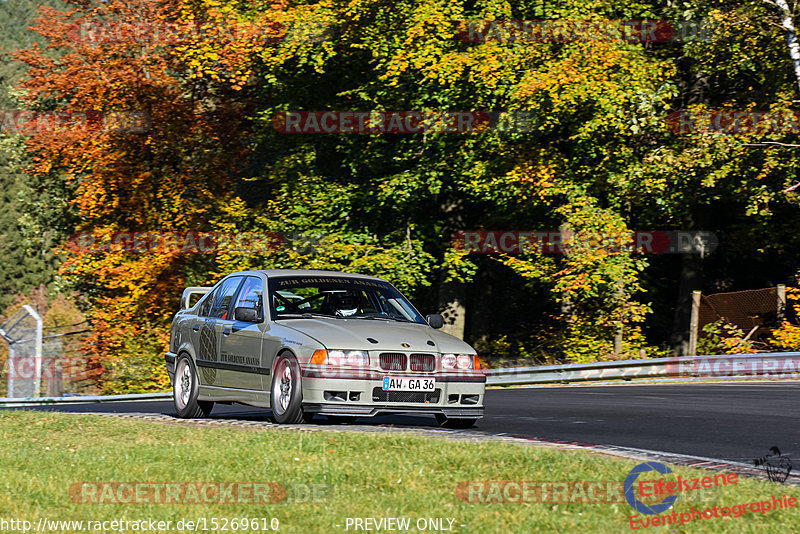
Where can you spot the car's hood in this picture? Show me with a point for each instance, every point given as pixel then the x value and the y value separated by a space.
pixel 390 335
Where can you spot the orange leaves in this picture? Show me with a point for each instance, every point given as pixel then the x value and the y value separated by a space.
pixel 161 159
pixel 534 179
pixel 597 73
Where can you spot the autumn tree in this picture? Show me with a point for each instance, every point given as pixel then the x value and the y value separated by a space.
pixel 153 144
pixel 598 158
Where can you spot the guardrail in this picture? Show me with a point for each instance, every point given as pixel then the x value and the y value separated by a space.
pixel 39 401
pixel 774 365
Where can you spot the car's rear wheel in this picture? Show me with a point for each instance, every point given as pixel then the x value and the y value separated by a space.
pixel 286 397
pixel 456 422
pixel 185 389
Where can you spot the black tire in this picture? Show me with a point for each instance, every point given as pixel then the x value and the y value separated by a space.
pixel 457 422
pixel 308 417
pixel 185 389
pixel 286 394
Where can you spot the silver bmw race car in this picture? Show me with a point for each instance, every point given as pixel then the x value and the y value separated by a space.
pixel 318 342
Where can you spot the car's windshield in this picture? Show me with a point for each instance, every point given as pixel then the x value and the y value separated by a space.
pixel 339 297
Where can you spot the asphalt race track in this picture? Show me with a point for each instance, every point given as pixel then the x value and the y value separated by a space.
pixel 728 421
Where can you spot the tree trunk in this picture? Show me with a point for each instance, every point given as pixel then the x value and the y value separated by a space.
pixel 791 37
pixel 691 279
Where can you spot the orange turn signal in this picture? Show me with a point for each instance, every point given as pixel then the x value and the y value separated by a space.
pixel 320 357
pixel 476 362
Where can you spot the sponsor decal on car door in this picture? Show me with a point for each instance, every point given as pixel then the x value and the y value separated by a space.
pixel 216 372
pixel 240 343
pixel 204 340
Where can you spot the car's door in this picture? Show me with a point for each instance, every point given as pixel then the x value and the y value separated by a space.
pixel 240 349
pixel 274 334
pixel 204 340
pixel 219 320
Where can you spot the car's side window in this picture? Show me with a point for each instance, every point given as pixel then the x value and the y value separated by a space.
pixel 205 308
pixel 251 294
pixel 223 297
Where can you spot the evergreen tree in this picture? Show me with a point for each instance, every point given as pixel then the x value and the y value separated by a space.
pixel 26 263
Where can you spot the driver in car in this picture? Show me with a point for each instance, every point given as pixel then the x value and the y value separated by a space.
pixel 343 304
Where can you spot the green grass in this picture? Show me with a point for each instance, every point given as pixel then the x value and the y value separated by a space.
pixel 363 474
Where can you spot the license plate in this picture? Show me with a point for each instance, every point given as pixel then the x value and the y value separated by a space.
pixel 400 383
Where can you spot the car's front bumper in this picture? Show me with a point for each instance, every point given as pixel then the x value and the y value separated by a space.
pixel 379 409
pixel 360 393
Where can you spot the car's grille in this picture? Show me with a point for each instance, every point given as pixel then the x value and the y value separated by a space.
pixel 423 362
pixel 393 361
pixel 379 395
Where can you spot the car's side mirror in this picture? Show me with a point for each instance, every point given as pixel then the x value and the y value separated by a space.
pixel 246 315
pixel 435 320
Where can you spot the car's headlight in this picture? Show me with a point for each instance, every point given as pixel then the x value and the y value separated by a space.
pixel 459 361
pixel 464 361
pixel 353 358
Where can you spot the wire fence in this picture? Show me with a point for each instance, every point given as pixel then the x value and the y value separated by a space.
pixel 38 360
pixel 756 312
pixel 23 333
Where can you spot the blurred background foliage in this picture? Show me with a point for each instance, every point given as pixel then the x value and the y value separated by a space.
pixel 599 159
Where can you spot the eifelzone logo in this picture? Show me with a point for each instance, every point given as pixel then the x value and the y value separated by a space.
pixel 670 488
pixel 630 496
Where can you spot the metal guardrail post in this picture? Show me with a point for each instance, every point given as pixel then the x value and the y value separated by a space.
pixel 37 361
pixel 694 322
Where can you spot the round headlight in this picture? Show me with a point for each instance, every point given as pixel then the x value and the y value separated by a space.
pixel 352 358
pixel 335 357
pixel 464 361
pixel 357 358
pixel 448 361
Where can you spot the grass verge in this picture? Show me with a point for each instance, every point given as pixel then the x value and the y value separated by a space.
pixel 329 477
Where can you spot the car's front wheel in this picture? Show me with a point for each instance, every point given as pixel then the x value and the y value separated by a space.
pixel 458 422
pixel 185 389
pixel 286 398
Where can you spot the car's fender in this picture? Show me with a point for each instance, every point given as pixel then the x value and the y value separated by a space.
pixel 297 342
pixel 186 348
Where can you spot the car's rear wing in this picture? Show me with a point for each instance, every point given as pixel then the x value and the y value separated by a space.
pixel 186 298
